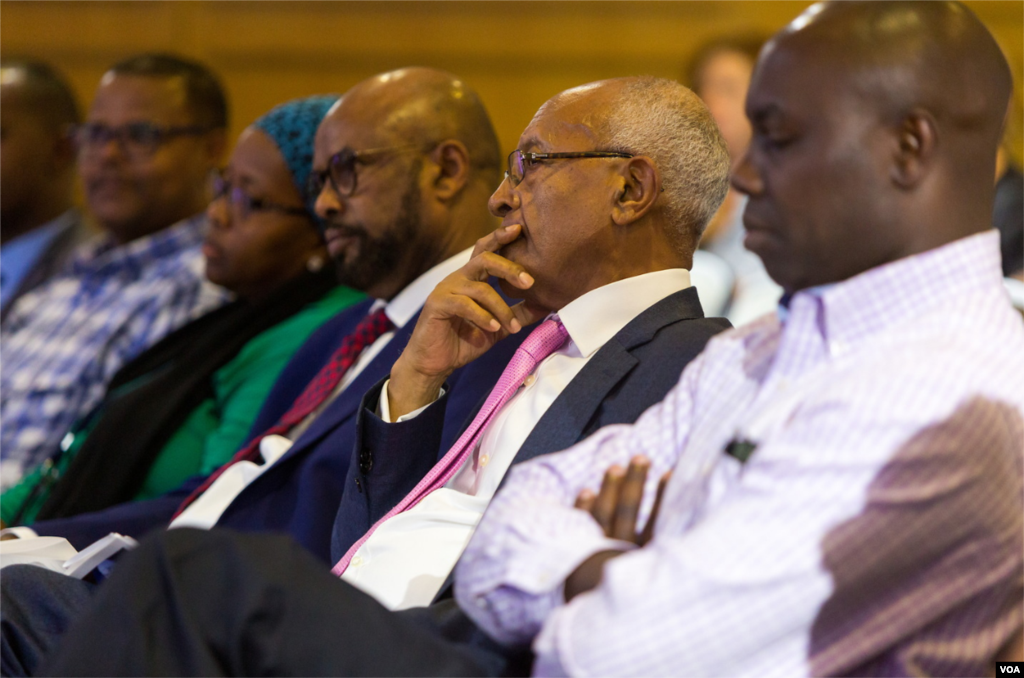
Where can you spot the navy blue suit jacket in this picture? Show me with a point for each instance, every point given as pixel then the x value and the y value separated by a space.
pixel 301 492
pixel 633 371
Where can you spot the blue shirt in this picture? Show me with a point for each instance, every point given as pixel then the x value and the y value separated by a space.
pixel 65 340
pixel 19 256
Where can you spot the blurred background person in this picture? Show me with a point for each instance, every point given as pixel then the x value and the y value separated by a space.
pixel 38 224
pixel 185 406
pixel 155 131
pixel 720 75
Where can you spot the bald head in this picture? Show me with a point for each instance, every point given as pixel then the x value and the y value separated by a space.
pixel 901 55
pixel 875 130
pixel 426 105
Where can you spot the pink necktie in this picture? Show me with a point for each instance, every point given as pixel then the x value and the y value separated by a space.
pixel 547 338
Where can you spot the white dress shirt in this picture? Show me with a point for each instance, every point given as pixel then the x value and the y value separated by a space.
pixel 207 509
pixel 875 530
pixel 409 557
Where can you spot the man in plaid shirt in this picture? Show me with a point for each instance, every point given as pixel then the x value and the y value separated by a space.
pixel 156 129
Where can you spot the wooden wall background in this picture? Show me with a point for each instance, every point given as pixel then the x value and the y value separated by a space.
pixel 516 54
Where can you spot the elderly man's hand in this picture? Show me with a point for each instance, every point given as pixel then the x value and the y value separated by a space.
pixel 615 509
pixel 463 317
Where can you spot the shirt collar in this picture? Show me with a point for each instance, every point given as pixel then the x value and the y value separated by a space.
pixel 597 316
pixel 900 290
pixel 406 303
pixel 105 253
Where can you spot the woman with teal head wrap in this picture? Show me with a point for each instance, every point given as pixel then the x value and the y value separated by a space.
pixel 185 406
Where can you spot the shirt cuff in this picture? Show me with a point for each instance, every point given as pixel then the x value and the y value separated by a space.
pixel 384 411
pixel 548 574
pixel 19 532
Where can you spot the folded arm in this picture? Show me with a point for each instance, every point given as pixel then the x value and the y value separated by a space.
pixel 533 536
pixel 823 554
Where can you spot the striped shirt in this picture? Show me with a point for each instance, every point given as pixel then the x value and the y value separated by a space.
pixel 876 529
pixel 65 340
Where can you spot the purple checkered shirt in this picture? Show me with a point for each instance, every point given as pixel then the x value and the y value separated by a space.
pixel 877 528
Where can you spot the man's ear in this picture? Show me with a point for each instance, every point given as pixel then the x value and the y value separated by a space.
pixel 449 168
pixel 640 185
pixel 916 141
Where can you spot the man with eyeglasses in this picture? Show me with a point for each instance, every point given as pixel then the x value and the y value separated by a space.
pixel 41 226
pixel 153 134
pixel 402 169
pixel 601 208
pixel 397 218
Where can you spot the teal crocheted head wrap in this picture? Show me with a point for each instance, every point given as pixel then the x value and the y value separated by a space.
pixel 292 127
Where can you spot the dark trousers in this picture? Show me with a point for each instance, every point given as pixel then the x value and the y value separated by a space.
pixel 195 603
pixel 36 608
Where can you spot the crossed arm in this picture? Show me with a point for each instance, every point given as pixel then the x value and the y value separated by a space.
pixel 764 566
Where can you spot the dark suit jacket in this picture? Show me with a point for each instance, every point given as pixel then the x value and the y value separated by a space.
pixel 301 492
pixel 52 260
pixel 633 371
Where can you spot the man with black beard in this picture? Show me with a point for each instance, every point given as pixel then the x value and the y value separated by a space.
pixel 403 167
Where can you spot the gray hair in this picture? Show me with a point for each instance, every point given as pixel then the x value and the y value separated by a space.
pixel 667 122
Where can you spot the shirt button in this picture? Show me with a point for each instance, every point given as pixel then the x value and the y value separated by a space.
pixel 529 380
pixel 357 560
pixel 484 460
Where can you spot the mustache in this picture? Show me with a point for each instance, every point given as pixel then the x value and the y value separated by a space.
pixel 344 230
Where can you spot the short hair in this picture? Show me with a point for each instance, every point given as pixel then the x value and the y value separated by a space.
pixel 203 90
pixel 746 45
pixel 667 122
pixel 47 91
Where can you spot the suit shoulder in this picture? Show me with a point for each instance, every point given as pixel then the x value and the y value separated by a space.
pixel 687 336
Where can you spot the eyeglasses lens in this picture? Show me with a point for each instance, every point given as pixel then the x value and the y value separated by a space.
pixel 219 186
pixel 136 139
pixel 515 167
pixel 343 172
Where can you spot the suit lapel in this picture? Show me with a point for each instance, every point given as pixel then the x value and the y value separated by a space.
pixel 345 405
pixel 567 418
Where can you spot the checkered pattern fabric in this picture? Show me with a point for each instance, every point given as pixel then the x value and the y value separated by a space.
pixel 876 529
pixel 65 340
pixel 365 333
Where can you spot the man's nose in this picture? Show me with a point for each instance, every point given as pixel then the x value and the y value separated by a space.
pixel 328 204
pixel 504 199
pixel 745 177
pixel 108 146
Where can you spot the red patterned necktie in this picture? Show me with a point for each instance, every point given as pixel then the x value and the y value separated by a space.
pixel 367 332
pixel 547 338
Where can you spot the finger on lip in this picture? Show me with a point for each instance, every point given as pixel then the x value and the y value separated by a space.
pixel 510 232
